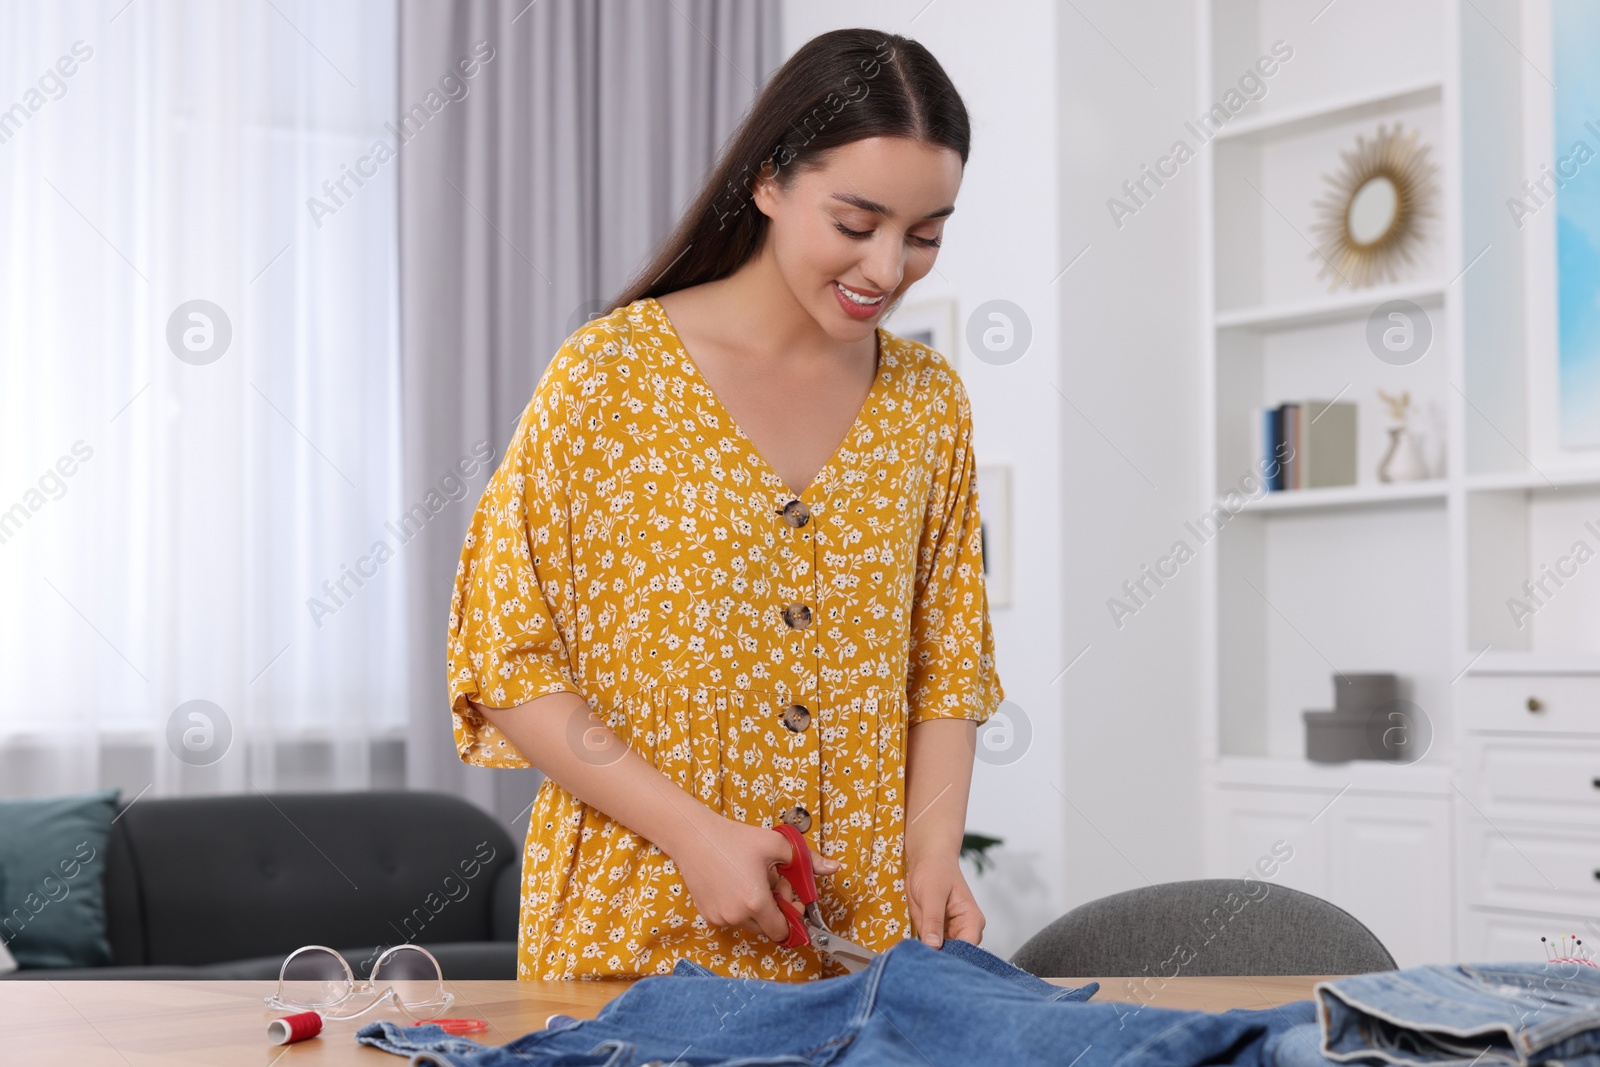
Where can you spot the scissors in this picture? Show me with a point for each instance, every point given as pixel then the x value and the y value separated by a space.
pixel 807 928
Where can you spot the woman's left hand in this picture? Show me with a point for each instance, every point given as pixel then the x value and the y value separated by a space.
pixel 941 904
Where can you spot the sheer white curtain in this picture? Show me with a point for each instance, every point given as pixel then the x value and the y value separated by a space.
pixel 180 521
pixel 585 137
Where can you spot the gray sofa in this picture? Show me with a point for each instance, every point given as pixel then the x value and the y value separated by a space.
pixel 225 887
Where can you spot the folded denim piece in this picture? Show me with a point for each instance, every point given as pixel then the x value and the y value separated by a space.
pixel 1486 1014
pixel 957 1005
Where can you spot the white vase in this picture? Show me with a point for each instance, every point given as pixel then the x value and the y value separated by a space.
pixel 1403 462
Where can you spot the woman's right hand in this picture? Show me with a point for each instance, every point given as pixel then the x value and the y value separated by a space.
pixel 730 869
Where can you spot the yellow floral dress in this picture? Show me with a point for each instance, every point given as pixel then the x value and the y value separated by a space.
pixel 767 652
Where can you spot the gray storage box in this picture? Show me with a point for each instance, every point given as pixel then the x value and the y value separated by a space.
pixel 1356 694
pixel 1334 737
pixel 1362 725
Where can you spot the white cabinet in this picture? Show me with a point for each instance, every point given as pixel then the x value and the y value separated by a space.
pixel 1259 823
pixel 1529 825
pixel 1531 867
pixel 1384 857
pixel 1390 867
pixel 1535 776
pixel 1530 704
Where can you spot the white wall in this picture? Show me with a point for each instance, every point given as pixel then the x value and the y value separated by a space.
pixel 1131 364
pixel 1106 795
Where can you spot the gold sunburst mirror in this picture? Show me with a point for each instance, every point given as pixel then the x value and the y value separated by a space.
pixel 1370 221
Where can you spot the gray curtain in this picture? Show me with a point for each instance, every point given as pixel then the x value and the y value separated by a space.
pixel 530 191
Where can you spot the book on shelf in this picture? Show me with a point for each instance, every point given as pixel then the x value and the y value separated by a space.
pixel 1264 444
pixel 1307 444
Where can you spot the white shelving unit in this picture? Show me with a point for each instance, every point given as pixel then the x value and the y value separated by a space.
pixel 1353 496
pixel 1329 308
pixel 1411 578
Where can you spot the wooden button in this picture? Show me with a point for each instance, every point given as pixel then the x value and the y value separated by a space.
pixel 795 513
pixel 798 817
pixel 798 616
pixel 796 717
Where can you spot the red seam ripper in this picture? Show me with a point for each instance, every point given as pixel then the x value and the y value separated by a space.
pixel 456 1026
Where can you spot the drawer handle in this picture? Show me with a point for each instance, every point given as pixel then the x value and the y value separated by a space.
pixel 1534 704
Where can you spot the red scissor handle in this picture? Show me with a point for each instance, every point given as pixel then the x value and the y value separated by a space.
pixel 800 875
pixel 798 870
pixel 798 934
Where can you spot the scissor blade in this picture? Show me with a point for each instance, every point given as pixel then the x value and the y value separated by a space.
pixel 849 954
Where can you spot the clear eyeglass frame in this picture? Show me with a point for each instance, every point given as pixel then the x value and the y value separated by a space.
pixel 317 978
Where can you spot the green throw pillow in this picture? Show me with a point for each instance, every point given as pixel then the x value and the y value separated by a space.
pixel 52 878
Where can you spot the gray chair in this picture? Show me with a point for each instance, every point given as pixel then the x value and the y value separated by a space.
pixel 1211 926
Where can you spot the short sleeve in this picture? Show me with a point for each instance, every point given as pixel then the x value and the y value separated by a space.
pixel 513 603
pixel 952 671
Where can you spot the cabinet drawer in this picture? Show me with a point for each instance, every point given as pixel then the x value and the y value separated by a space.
pixel 1569 702
pixel 1532 868
pixel 1534 778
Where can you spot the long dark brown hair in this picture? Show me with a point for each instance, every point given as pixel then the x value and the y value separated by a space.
pixel 841 86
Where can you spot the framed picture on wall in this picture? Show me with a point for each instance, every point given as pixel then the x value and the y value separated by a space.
pixel 994 508
pixel 1557 226
pixel 931 322
pixel 1575 27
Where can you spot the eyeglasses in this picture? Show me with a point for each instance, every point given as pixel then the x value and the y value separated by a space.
pixel 316 978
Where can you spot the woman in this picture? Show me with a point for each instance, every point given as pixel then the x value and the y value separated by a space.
pixel 729 572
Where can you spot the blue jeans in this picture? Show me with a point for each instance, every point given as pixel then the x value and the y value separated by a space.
pixel 914 1005
pixel 1486 1014
pixel 959 1005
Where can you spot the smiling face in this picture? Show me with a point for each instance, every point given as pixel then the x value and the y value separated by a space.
pixel 850 236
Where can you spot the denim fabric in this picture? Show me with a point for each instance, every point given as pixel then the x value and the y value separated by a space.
pixel 425 1044
pixel 914 1005
pixel 960 1005
pixel 1485 1014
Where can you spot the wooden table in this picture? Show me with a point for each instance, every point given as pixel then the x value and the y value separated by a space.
pixel 132 1024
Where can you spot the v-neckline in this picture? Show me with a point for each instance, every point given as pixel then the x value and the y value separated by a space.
pixel 878 378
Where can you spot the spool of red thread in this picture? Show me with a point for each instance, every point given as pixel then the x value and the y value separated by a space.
pixel 292 1028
